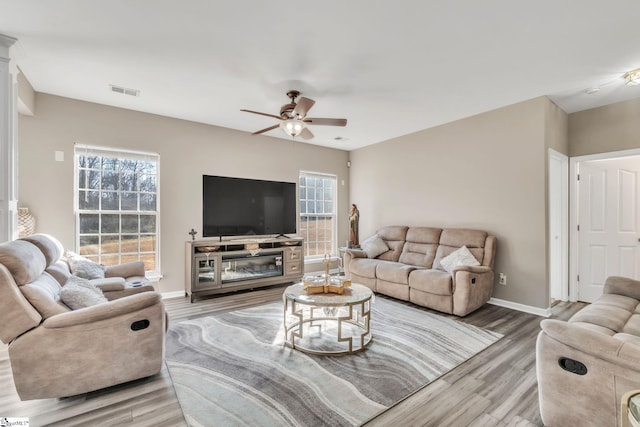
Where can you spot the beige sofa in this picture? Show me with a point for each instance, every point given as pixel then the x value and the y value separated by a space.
pixel 410 270
pixel 119 280
pixel 55 351
pixel 585 365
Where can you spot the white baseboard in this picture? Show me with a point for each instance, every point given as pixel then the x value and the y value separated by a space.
pixel 174 294
pixel 544 312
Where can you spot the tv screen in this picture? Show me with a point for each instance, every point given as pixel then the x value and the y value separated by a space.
pixel 247 207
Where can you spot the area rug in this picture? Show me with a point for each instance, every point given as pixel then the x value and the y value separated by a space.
pixel 233 370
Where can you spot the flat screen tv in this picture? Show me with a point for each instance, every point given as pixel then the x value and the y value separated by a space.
pixel 247 207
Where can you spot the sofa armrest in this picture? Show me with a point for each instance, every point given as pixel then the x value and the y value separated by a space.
pixel 89 315
pixel 622 286
pixel 128 269
pixel 472 288
pixel 109 284
pixel 602 346
pixel 355 253
pixel 350 254
pixel 479 269
pixel 127 291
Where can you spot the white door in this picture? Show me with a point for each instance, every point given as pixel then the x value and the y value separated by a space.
pixel 608 210
pixel 558 226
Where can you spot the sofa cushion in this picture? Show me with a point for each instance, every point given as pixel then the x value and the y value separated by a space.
pixel 374 246
pixel 453 238
pixel 623 302
pixel 394 236
pixel 44 295
pixel 458 237
pixel 83 267
pixel 420 247
pixel 394 272
pixel 432 281
pixel 50 247
pixel 24 260
pixel 608 311
pixel 59 270
pixel 459 257
pixel 79 293
pixel 364 267
pixel 633 325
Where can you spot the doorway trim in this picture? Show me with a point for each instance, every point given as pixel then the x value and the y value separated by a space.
pixel 574 170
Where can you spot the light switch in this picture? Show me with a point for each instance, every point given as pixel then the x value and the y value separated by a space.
pixel 59 156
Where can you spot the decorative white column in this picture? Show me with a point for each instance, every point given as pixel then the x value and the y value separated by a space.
pixel 8 143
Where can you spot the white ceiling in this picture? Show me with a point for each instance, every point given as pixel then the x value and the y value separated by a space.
pixel 389 67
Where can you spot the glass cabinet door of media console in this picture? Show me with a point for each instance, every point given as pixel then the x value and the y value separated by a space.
pixel 246 267
pixel 205 271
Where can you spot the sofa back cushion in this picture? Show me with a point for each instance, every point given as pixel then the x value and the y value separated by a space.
pixel 24 260
pixel 394 236
pixel 44 294
pixel 50 247
pixel 421 246
pixel 60 271
pixel 452 239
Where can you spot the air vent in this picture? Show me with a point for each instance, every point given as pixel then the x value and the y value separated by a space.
pixel 124 90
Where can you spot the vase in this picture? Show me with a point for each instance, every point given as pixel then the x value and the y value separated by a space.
pixel 26 222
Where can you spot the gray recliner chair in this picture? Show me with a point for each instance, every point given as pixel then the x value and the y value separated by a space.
pixel 57 352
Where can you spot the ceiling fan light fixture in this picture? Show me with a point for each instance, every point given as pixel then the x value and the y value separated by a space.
pixel 293 127
pixel 632 78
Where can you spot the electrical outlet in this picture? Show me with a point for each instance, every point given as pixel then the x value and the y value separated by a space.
pixel 503 279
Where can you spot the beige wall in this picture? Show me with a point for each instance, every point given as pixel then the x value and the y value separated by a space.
pixel 614 127
pixel 187 151
pixel 486 172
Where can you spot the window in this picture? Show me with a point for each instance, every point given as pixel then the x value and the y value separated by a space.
pixel 116 205
pixel 318 213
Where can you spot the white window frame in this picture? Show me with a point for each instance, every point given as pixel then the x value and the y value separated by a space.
pixel 82 149
pixel 334 214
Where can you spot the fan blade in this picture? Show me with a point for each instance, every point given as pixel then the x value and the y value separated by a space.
pixel 306 133
pixel 263 114
pixel 266 129
pixel 326 122
pixel 302 107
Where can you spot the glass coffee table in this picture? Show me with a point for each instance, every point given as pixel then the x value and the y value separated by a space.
pixel 327 323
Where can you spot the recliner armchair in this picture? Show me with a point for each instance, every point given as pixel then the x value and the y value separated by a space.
pixel 585 365
pixel 58 352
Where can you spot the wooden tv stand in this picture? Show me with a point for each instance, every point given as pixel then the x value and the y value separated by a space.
pixel 214 267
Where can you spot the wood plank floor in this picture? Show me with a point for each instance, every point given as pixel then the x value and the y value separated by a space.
pixel 495 388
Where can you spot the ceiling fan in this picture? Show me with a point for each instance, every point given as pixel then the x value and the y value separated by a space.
pixel 294 118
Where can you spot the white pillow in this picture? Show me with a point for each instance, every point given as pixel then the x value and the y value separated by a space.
pixel 80 293
pixel 374 246
pixel 461 256
pixel 83 267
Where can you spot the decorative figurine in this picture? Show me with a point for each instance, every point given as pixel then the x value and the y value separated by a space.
pixel 193 234
pixel 354 219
